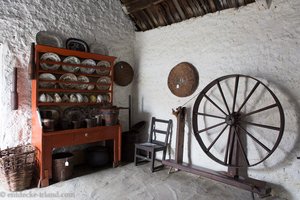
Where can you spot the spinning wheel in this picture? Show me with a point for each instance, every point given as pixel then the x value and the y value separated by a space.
pixel 238 121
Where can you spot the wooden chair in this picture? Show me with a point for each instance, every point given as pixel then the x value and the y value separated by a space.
pixel 158 141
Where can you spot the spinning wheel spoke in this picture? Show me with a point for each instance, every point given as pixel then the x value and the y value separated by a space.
pixel 223 97
pixel 262 125
pixel 211 101
pixel 241 146
pixel 255 139
pixel 260 110
pixel 215 140
pixel 209 115
pixel 214 126
pixel 249 95
pixel 235 92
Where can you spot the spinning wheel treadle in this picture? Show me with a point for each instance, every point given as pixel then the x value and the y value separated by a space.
pixel 232 121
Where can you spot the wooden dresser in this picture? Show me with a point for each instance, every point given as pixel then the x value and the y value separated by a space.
pixel 46 141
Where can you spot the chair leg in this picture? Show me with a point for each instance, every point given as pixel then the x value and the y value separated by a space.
pixel 164 154
pixel 152 160
pixel 161 166
pixel 135 158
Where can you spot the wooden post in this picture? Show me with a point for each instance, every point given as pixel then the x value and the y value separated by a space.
pixel 236 157
pixel 180 114
pixel 31 66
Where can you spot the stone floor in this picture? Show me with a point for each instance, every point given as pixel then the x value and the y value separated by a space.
pixel 129 182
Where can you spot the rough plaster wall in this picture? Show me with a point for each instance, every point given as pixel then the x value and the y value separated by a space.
pixel 90 20
pixel 253 40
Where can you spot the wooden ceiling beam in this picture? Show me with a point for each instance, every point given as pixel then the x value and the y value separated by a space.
pixel 138 5
pixel 150 14
pixel 168 11
pixel 179 9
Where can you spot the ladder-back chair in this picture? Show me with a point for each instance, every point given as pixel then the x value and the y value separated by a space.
pixel 158 141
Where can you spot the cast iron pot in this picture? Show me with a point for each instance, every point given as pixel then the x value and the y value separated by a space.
pixel 97 156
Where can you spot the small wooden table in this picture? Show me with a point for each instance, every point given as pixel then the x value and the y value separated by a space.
pixel 45 142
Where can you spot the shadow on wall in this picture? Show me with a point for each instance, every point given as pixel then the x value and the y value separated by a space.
pixel 145 117
pixel 138 112
pixel 293 126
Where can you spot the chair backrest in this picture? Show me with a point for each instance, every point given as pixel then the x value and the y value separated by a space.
pixel 160 131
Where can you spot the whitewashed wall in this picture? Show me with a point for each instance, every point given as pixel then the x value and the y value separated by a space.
pixel 90 20
pixel 253 40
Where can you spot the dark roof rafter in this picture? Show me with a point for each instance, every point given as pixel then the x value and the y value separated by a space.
pixel 150 14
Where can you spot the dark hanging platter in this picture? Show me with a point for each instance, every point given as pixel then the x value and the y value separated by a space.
pixel 123 73
pixel 183 79
pixel 77 44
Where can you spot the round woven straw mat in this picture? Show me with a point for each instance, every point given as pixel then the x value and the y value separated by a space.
pixel 183 79
pixel 123 73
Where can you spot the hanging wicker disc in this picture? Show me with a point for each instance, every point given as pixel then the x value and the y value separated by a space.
pixel 183 79
pixel 123 73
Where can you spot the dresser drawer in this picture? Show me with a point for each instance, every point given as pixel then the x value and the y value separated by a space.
pixel 87 137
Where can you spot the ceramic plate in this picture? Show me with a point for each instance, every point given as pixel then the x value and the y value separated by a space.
pixel 65 98
pixel 57 98
pixel 93 98
pixel 73 60
pixel 88 62
pixel 106 97
pixel 49 98
pixel 82 79
pixel 73 98
pixel 67 77
pixel 47 76
pixel 43 98
pixel 102 98
pixel 102 70
pixel 77 44
pixel 85 99
pixel 79 97
pixel 99 48
pixel 49 39
pixel 91 87
pixel 50 57
pixel 103 80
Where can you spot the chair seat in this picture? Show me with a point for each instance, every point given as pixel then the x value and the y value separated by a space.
pixel 147 146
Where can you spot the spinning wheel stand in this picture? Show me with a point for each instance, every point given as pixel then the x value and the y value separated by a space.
pixel 234 124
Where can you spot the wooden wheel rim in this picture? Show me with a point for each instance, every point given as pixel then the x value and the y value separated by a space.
pixel 195 119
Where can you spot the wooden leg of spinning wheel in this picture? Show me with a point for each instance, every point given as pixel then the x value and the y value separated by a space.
pixel 237 158
pixel 180 115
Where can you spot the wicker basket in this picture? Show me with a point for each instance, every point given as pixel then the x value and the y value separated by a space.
pixel 16 167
